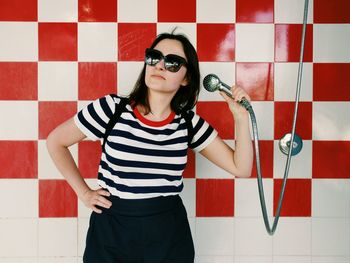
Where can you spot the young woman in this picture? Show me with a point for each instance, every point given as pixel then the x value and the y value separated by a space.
pixel 138 215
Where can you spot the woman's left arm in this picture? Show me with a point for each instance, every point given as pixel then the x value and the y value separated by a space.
pixel 238 162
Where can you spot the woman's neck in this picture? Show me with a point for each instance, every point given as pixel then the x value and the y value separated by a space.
pixel 159 105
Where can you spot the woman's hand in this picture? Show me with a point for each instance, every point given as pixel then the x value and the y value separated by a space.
pixel 91 198
pixel 238 94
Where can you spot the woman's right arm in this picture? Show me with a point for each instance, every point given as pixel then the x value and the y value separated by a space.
pixel 57 143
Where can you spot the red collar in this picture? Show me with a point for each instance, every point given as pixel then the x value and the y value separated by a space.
pixel 148 122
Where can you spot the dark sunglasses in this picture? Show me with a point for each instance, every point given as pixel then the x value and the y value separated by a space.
pixel 172 62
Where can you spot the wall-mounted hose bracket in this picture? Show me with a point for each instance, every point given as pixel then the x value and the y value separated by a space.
pixel 285 142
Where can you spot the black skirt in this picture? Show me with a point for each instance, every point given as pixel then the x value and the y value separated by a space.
pixel 145 230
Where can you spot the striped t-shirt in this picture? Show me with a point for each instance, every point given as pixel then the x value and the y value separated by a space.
pixel 142 158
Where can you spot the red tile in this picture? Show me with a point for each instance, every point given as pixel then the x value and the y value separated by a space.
pixel 96 79
pixel 253 11
pixel 214 197
pixel 57 199
pixel 210 112
pixel 266 159
pixel 19 10
pixel 216 42
pixel 51 114
pixel 89 155
pixel 133 39
pixel 58 41
pixel 297 197
pixel 331 159
pixel 256 79
pixel 18 81
pixel 177 11
pixel 190 171
pixel 331 76
pixel 336 11
pixel 288 43
pixel 97 11
pixel 19 159
pixel 284 113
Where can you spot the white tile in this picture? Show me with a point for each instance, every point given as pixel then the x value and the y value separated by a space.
pixel 187 29
pixel 58 81
pixel 286 77
pixel 300 165
pixel 13 35
pixel 345 259
pixel 214 236
pixel 18 198
pixel 57 260
pixel 292 259
pixel 19 120
pixel 219 11
pixel 330 198
pixel 19 237
pixel 247 202
pixel 292 237
pixel 251 237
pixel 254 42
pixel 206 169
pixel 253 259
pixel 264 113
pixel 83 211
pixel 331 43
pixel 214 259
pixel 46 167
pixel 128 73
pixel 330 121
pixel 58 237
pixel 330 237
pixel 19 260
pixel 58 11
pixel 225 72
pixel 97 42
pixel 292 11
pixel 83 103
pixel 188 196
pixel 83 226
pixel 145 11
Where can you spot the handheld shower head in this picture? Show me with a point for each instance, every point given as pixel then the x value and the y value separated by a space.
pixel 211 82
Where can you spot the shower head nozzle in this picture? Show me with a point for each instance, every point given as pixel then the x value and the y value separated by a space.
pixel 211 82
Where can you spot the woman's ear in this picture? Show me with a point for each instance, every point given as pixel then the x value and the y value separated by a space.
pixel 184 81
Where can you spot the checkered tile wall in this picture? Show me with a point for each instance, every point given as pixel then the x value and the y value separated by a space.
pixel 57 56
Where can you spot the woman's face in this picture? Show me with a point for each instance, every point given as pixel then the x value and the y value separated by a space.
pixel 157 78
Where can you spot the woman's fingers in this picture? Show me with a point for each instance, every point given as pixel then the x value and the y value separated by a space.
pixel 103 192
pixel 238 93
pixel 96 198
pixel 96 210
pixel 103 202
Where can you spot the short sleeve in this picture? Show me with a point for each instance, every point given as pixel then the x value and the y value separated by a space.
pixel 203 133
pixel 93 119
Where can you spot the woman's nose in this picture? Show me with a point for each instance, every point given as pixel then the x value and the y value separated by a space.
pixel 160 65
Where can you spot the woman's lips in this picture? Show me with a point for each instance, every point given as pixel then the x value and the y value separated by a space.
pixel 158 76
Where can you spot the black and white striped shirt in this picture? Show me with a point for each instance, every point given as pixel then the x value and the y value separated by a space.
pixel 142 158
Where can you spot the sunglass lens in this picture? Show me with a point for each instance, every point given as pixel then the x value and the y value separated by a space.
pixel 172 66
pixel 152 57
pixel 173 63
